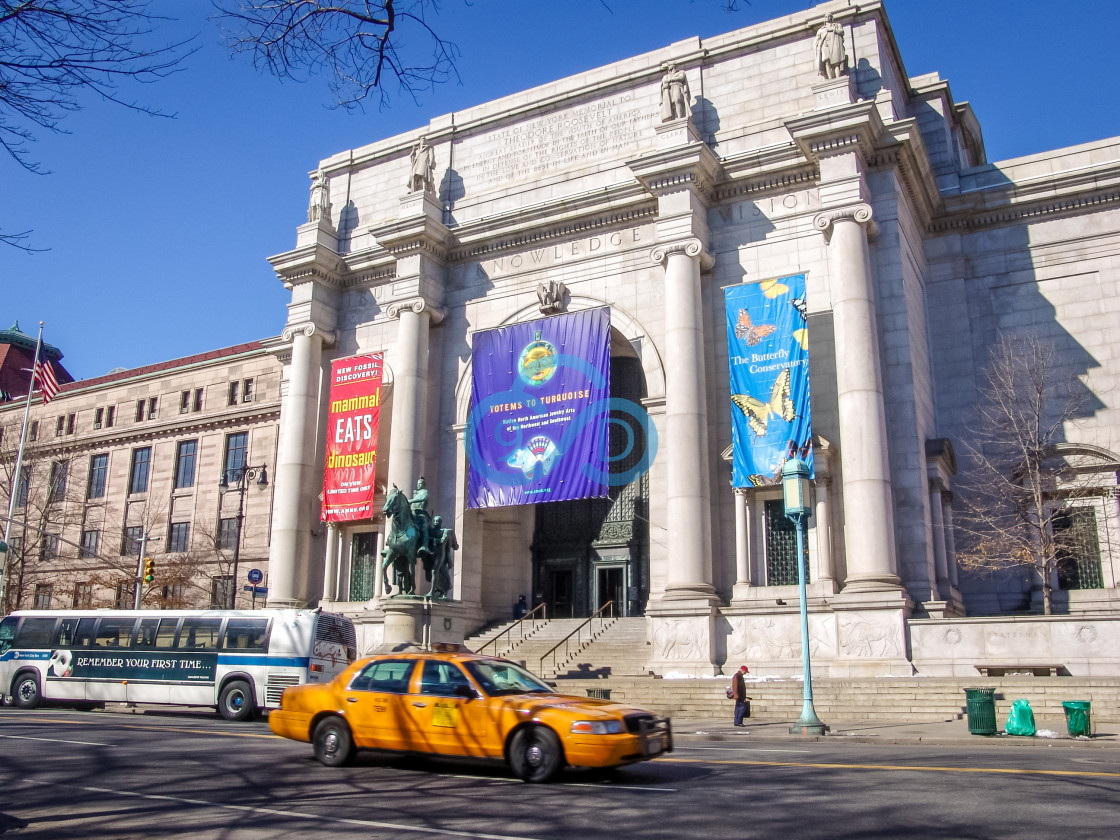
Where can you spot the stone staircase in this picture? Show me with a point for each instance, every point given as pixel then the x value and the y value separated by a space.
pixel 617 647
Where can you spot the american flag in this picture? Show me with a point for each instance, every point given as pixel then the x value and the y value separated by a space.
pixel 44 375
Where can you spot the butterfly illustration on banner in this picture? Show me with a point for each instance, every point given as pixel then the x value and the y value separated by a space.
pixel 772 288
pixel 758 412
pixel 750 332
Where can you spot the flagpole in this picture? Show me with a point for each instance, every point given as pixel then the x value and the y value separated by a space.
pixel 14 489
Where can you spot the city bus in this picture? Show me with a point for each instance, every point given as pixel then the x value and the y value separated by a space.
pixel 239 661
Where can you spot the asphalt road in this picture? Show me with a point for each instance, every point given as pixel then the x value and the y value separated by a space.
pixel 66 774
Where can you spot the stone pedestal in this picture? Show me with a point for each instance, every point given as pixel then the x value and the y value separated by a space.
pixel 682 633
pixel 832 92
pixel 676 133
pixel 411 623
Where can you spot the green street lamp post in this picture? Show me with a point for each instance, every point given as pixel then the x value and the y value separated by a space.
pixel 242 475
pixel 795 496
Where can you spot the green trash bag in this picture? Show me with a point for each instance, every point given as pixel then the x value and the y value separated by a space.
pixel 1021 719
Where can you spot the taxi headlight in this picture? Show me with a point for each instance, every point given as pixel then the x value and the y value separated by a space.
pixel 597 727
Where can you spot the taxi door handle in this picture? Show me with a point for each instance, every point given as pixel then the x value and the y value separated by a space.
pixel 420 705
pixel 351 699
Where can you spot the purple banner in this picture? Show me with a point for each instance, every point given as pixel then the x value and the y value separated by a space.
pixel 540 402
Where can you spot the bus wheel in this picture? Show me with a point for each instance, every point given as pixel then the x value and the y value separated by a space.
pixel 26 692
pixel 236 701
pixel 535 754
pixel 333 744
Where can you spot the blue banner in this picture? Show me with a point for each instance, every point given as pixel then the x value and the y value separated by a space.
pixel 768 356
pixel 540 404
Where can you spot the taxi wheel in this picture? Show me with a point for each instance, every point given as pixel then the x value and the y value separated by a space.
pixel 333 744
pixel 236 701
pixel 26 691
pixel 535 754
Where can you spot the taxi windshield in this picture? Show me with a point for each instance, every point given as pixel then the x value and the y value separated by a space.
pixel 498 677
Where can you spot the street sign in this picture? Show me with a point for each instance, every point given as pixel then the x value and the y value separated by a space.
pixel 255 576
pixel 256 590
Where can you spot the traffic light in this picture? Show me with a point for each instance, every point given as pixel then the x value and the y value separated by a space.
pixel 149 570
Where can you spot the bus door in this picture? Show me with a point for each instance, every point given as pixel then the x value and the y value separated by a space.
pixel 72 638
pixel 105 663
pixel 152 662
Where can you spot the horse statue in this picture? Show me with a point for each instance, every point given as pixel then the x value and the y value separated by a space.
pixel 401 544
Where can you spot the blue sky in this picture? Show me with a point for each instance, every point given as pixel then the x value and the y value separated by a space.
pixel 159 229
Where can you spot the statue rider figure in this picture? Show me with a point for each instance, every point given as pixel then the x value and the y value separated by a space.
pixel 420 516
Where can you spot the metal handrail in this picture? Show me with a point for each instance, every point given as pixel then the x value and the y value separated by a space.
pixel 597 614
pixel 520 623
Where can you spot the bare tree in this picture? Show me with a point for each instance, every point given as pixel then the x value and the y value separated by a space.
pixel 1015 495
pixel 361 43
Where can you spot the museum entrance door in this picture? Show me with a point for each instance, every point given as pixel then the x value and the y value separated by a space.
pixel 590 551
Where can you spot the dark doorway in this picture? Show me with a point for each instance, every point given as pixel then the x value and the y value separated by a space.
pixel 611 586
pixel 559 593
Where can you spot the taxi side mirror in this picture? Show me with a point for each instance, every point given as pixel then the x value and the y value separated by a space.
pixel 466 691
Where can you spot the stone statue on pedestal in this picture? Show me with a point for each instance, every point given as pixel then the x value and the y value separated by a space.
pixel 320 205
pixel 439 567
pixel 829 50
pixel 422 175
pixel 675 97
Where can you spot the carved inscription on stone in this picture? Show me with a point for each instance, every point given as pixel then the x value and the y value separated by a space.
pixel 771 207
pixel 576 249
pixel 558 141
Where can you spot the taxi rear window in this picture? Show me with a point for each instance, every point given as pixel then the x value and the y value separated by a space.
pixel 387 675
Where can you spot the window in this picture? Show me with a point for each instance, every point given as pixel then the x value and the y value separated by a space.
pixel 245 634
pixel 1078 548
pixel 227 534
pixel 114 632
pixel 185 454
pixel 781 547
pixel 59 425
pixel 157 633
pixel 124 595
pixel 138 473
pixel 59 471
pixel 237 452
pixel 174 596
pixel 83 598
pixel 221 586
pixel 98 417
pixel 387 675
pixel 234 388
pixel 139 411
pixel 198 399
pixel 111 415
pixel 442 679
pixel 199 634
pixel 133 536
pixel 48 548
pixel 98 475
pixel 74 632
pixel 70 420
pixel 91 541
pixel 153 402
pixel 179 536
pixel 34 433
pixel 184 402
pixel 363 566
pixel 42 596
pixel 34 633
pixel 22 487
pixel 247 391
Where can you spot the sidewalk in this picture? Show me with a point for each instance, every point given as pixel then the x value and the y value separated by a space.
pixel 945 732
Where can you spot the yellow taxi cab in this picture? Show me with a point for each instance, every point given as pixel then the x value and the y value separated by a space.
pixel 462 704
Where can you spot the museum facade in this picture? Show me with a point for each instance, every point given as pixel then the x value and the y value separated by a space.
pixel 795 148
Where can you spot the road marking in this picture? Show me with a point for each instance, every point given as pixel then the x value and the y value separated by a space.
pixel 163 729
pixel 276 812
pixel 612 786
pixel 743 749
pixel 917 768
pixel 57 740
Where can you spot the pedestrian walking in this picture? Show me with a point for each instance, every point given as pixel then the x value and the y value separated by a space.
pixel 739 695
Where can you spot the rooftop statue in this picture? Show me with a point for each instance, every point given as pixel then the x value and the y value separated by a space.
pixel 422 175
pixel 829 50
pixel 675 96
pixel 320 204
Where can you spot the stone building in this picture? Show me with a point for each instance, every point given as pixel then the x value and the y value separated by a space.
pixel 138 452
pixel 795 146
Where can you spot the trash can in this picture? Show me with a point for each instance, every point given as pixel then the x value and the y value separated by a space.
pixel 599 693
pixel 1078 717
pixel 981 710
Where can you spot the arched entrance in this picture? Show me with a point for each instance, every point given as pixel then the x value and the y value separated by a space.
pixel 590 551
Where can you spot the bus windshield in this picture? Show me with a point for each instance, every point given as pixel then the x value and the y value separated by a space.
pixel 7 632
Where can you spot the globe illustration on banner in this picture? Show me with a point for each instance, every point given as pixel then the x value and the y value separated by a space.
pixel 537 362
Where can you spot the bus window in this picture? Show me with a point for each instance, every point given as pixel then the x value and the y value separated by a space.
pixel 199 634
pixel 114 633
pixel 74 633
pixel 157 633
pixel 35 633
pixel 7 632
pixel 245 634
